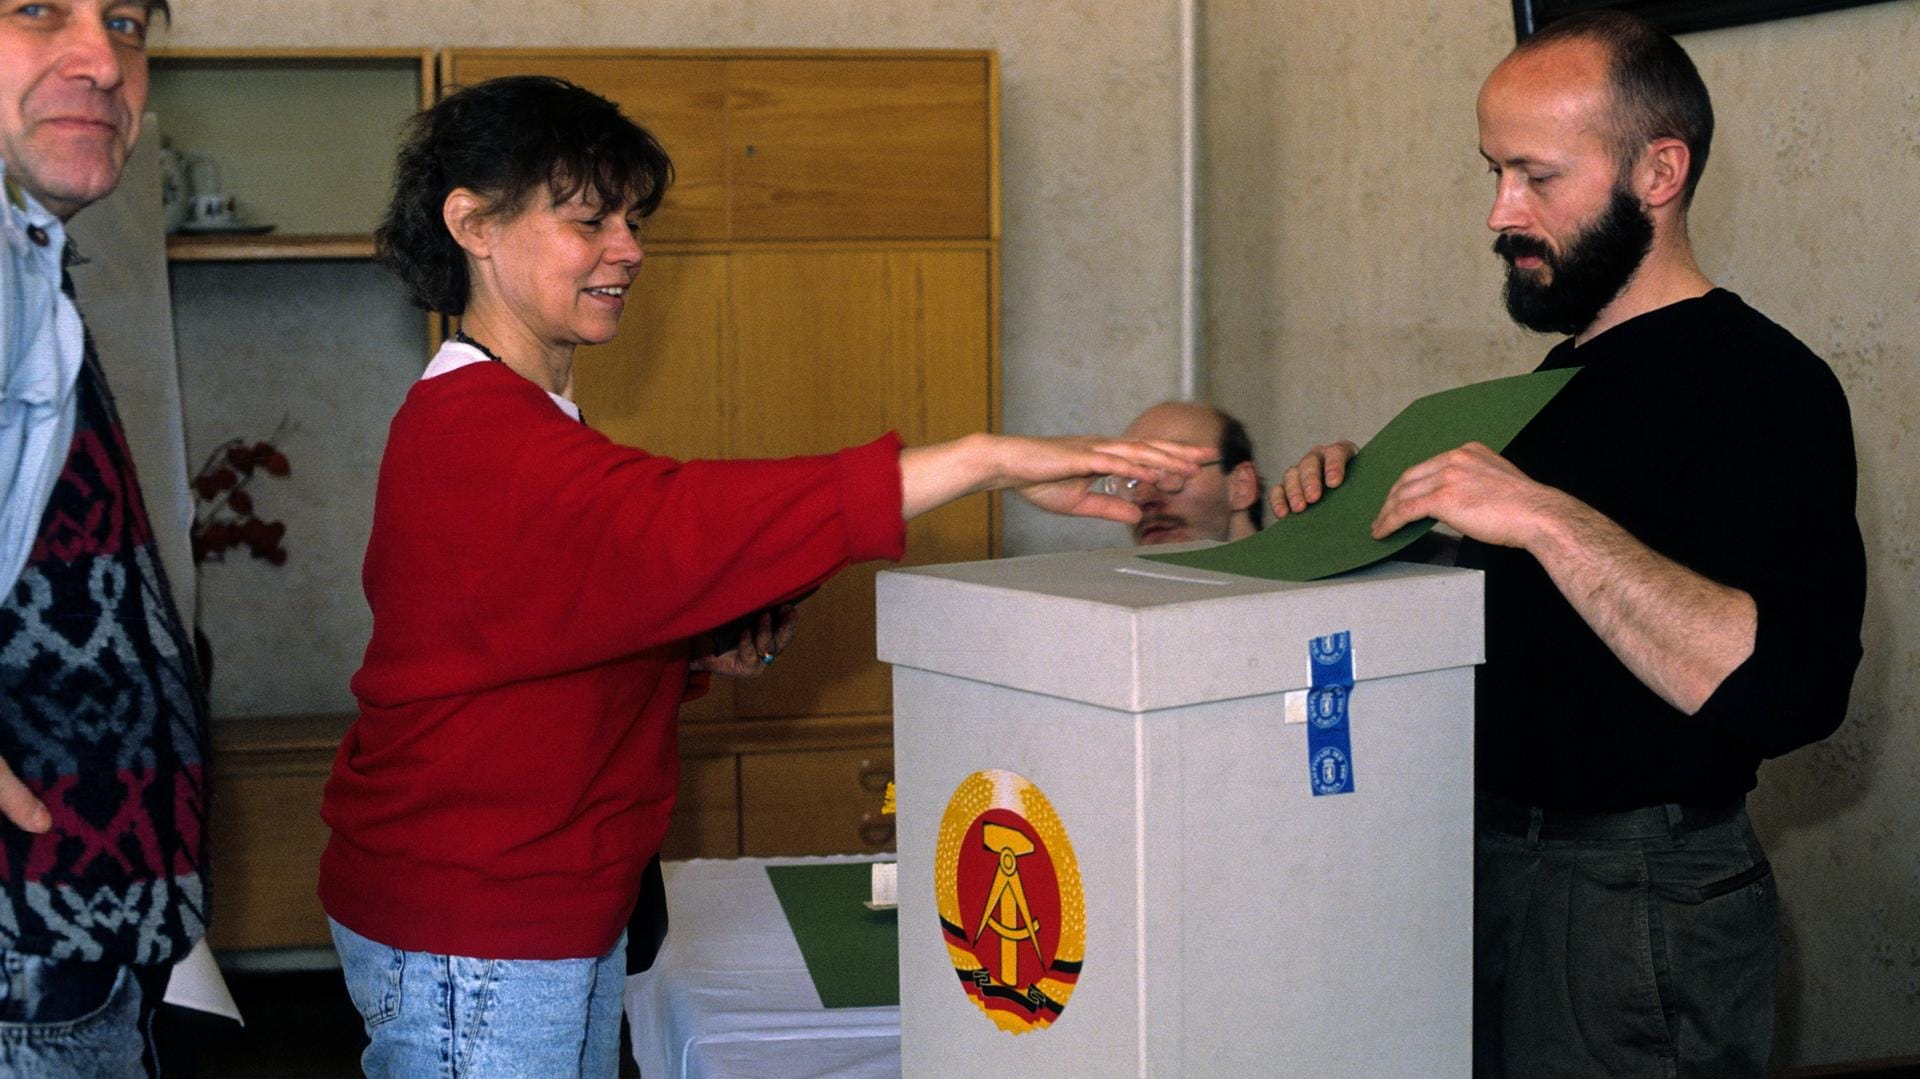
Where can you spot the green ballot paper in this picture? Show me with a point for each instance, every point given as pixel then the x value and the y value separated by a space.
pixel 1334 535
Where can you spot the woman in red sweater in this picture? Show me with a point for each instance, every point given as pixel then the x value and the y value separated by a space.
pixel 542 597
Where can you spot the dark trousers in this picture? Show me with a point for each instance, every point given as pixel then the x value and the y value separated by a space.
pixel 1622 944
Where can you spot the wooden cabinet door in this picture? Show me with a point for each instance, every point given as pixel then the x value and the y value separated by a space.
pixel 860 148
pixel 819 802
pixel 786 147
pixel 682 101
pixel 777 353
pixel 835 348
pixel 660 384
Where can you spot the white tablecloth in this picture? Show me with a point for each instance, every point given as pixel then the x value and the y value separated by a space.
pixel 729 996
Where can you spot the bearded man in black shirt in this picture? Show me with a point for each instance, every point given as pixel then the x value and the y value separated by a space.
pixel 1646 649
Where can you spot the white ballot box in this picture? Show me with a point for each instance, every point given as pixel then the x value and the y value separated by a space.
pixel 1157 821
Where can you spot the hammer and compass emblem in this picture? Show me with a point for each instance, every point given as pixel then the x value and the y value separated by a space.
pixel 1016 921
pixel 1011 906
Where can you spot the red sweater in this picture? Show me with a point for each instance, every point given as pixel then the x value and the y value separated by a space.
pixel 533 588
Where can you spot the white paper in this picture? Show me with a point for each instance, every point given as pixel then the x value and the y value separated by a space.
pixel 196 983
pixel 1293 706
pixel 886 886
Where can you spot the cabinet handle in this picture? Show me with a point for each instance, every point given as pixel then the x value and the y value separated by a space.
pixel 875 831
pixel 875 777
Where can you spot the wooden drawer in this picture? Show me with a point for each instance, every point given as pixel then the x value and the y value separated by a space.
pixel 266 833
pixel 817 802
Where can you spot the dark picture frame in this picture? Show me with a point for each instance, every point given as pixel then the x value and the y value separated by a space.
pixel 1675 16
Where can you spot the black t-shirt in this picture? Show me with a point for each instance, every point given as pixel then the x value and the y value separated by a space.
pixel 1716 438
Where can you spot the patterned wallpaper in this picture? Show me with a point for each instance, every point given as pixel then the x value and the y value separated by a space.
pixel 1348 272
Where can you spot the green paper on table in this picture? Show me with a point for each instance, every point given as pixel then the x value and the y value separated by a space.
pixel 1334 535
pixel 852 953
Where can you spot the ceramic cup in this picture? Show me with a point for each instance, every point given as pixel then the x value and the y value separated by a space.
pixel 215 210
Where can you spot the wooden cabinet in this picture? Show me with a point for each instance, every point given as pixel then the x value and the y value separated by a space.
pixel 824 269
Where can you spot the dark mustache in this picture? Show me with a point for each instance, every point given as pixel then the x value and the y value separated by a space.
pixel 1514 245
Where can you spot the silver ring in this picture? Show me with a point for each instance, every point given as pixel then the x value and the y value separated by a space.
pixel 766 659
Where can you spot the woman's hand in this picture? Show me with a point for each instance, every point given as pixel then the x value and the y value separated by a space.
pixel 1051 473
pixel 759 641
pixel 1147 461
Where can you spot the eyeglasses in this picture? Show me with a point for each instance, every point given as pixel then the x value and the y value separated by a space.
pixel 1167 483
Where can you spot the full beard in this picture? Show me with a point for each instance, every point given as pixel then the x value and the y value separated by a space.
pixel 1586 277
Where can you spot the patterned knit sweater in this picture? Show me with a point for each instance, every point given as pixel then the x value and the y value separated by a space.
pixel 103 716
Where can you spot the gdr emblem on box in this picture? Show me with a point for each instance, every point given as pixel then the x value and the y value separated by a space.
pixel 1011 907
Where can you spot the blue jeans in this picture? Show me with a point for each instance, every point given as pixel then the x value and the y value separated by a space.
pixel 456 1017
pixel 63 1019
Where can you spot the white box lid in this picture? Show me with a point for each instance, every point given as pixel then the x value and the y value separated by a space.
pixel 1111 629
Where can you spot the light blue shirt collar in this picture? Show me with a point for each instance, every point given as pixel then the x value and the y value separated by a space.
pixel 42 344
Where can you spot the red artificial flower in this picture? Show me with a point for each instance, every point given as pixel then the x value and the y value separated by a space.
pixel 226 516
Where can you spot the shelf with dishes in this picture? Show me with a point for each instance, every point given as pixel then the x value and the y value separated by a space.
pixel 281 154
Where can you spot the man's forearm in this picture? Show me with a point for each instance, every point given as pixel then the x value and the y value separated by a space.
pixel 1680 633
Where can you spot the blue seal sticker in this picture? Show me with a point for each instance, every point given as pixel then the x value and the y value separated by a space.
pixel 1332 771
pixel 1332 658
pixel 1329 727
pixel 1327 706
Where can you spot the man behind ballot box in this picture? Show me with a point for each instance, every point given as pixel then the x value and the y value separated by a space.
pixel 1645 648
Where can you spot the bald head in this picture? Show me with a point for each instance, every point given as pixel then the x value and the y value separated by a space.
pixel 1217 503
pixel 1654 91
pixel 1186 421
pixel 1555 89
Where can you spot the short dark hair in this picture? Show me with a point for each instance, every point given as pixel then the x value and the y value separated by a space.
pixel 506 139
pixel 1657 92
pixel 1236 446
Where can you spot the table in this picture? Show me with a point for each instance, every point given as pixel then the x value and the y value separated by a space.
pixel 729 996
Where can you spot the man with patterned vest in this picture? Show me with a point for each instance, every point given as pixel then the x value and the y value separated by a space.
pixel 102 714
